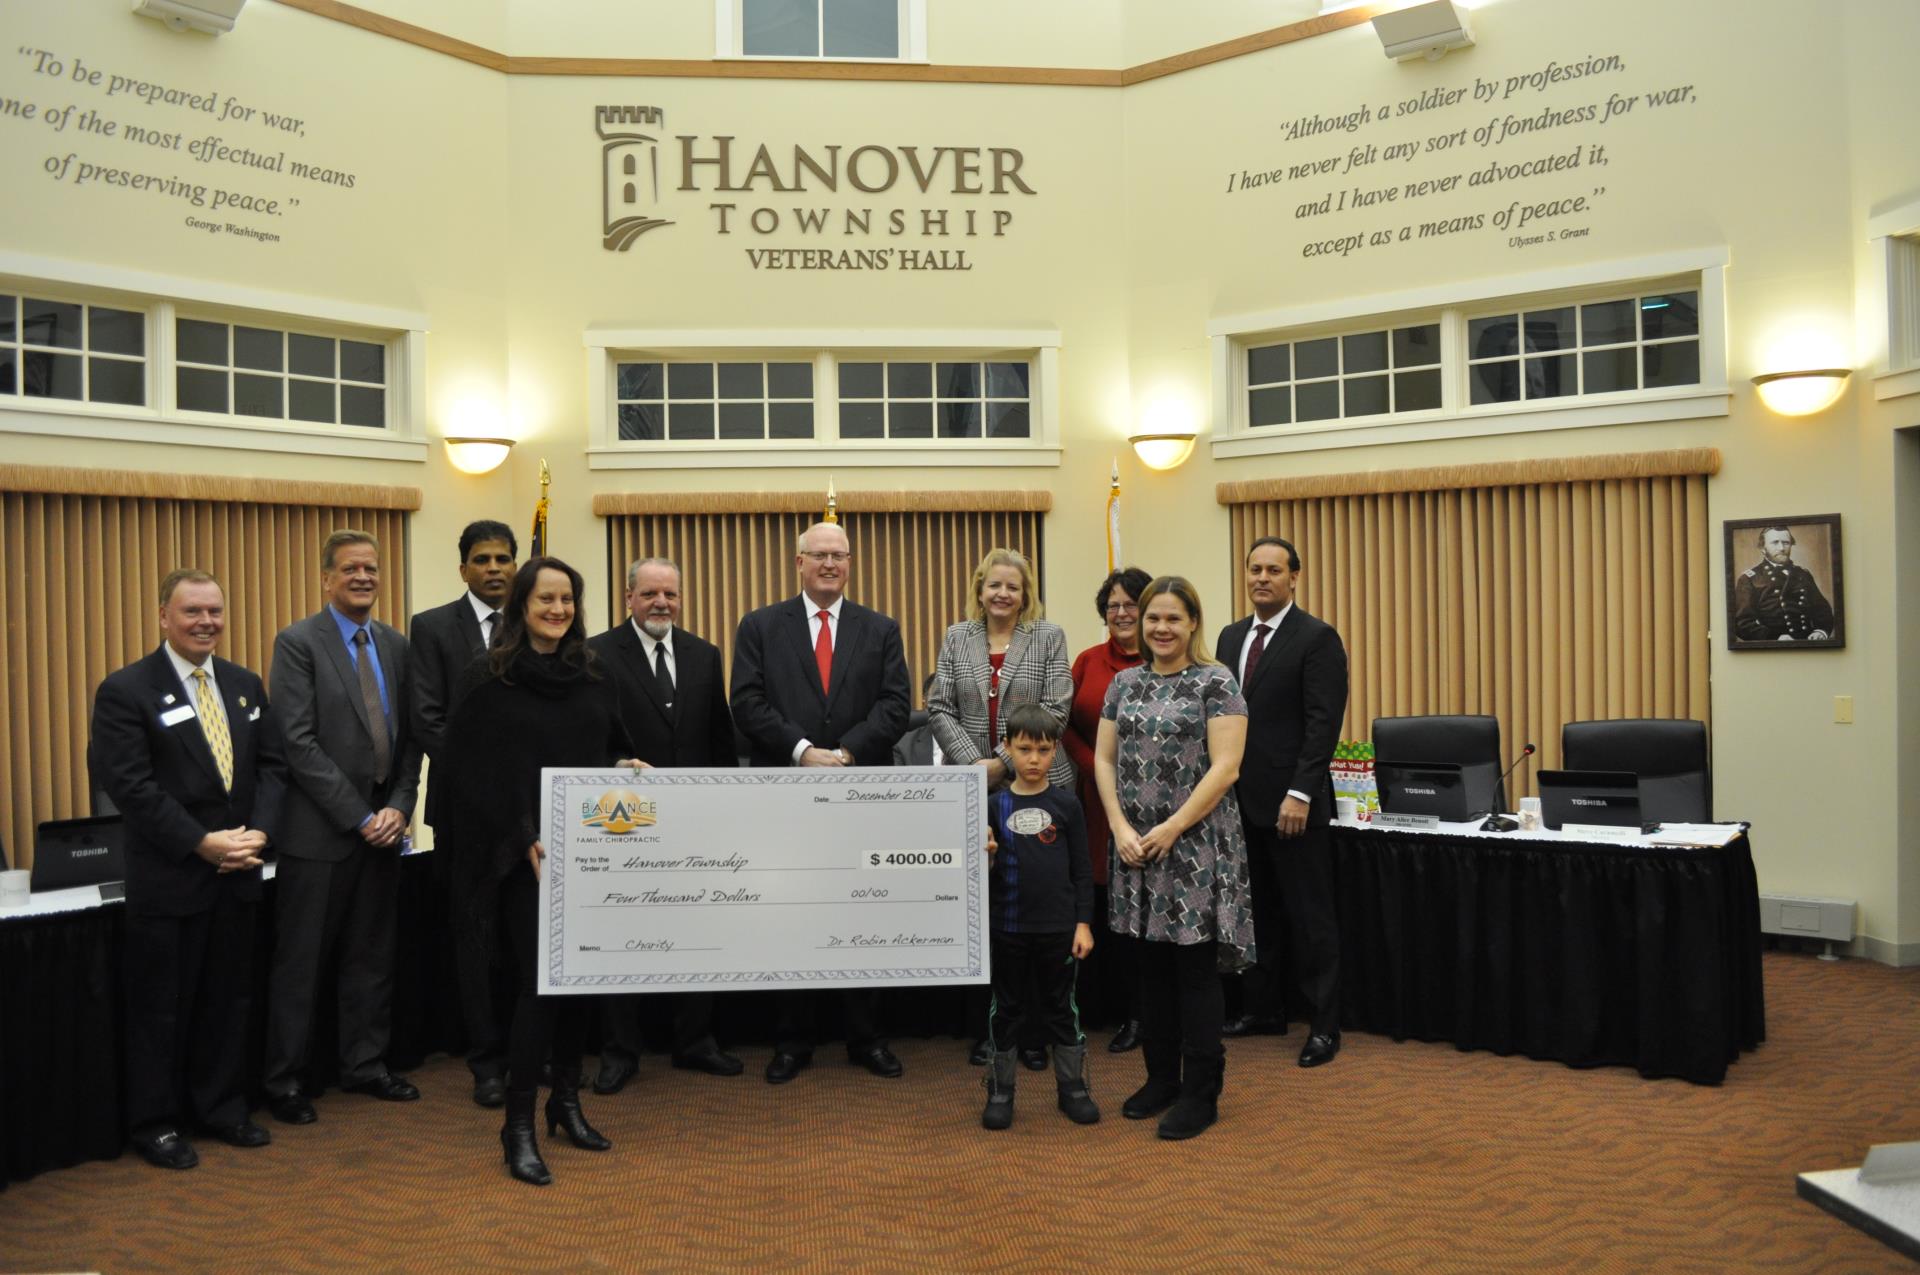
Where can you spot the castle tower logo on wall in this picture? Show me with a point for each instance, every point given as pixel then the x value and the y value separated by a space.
pixel 629 172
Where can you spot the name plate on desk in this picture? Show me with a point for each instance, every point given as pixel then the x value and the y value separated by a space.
pixel 1407 823
pixel 1601 832
pixel 688 880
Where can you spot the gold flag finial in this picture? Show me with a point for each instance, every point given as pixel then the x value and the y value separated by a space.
pixel 833 503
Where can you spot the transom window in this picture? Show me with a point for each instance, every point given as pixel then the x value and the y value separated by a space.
pixel 70 350
pixel 935 400
pixel 1358 374
pixel 1600 347
pixel 252 371
pixel 856 30
pixel 708 400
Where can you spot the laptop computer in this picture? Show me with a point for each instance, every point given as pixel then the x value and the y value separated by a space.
pixel 77 852
pixel 1610 797
pixel 1437 788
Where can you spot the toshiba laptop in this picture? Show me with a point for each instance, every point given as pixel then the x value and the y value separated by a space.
pixel 76 852
pixel 1609 797
pixel 1437 788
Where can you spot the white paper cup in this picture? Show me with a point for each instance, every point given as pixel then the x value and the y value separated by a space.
pixel 15 888
pixel 1345 810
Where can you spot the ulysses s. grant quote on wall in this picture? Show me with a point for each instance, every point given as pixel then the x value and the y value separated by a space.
pixel 1523 156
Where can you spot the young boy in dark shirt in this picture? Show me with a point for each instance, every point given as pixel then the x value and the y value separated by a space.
pixel 1040 903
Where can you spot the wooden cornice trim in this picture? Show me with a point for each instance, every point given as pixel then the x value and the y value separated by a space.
pixel 757 69
pixel 1512 473
pixel 405 32
pixel 141 484
pixel 1272 38
pixel 628 503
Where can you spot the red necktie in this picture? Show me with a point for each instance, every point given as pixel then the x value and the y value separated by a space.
pixel 823 648
pixel 1253 652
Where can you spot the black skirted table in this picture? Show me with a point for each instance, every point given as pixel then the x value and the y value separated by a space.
pixel 1591 954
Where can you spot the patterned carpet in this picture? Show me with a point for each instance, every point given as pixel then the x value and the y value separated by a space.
pixel 1399 1157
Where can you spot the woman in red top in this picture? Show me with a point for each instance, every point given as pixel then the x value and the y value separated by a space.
pixel 1112 968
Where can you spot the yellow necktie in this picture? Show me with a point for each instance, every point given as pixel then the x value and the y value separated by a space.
pixel 213 723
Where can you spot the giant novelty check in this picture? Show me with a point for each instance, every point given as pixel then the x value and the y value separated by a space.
pixel 728 879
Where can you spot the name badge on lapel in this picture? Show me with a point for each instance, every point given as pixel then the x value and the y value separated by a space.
pixel 174 716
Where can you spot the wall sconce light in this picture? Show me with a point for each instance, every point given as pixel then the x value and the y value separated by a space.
pixel 1802 393
pixel 477 455
pixel 1163 451
pixel 1423 30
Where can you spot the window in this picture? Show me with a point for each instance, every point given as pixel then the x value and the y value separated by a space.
pixel 1358 374
pixel 937 399
pixel 90 351
pixel 70 350
pixel 705 398
pixel 241 370
pixel 850 30
pixel 688 400
pixel 1601 347
pixel 1564 348
pixel 1894 285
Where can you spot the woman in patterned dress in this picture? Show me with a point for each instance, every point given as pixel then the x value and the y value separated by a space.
pixel 1171 735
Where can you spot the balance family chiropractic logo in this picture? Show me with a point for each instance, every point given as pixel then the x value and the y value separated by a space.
pixel 618 811
pixel 629 173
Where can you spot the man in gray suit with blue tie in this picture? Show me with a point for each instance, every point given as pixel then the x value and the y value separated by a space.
pixel 341 689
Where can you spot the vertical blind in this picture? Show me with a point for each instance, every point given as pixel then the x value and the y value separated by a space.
pixel 1580 596
pixel 910 561
pixel 80 598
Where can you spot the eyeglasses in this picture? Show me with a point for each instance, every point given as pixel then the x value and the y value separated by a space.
pixel 1123 608
pixel 829 557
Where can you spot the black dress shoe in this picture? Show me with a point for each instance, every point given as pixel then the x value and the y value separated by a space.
pixel 1254 1025
pixel 1034 1059
pixel 712 1060
pixel 1127 1039
pixel 292 1107
pixel 880 1061
pixel 244 1134
pixel 166 1150
pixel 387 1088
pixel 783 1067
pixel 615 1071
pixel 490 1091
pixel 1320 1048
pixel 981 1054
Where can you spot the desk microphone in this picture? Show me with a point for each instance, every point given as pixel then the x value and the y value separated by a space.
pixel 1497 822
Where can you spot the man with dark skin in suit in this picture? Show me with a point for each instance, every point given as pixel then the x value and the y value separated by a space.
pixel 442 643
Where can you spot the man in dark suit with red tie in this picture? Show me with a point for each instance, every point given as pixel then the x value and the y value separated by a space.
pixel 442 643
pixel 821 681
pixel 1293 674
pixel 672 691
pixel 184 744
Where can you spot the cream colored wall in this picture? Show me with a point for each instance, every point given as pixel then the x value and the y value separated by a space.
pixel 1161 28
pixel 422 230
pixel 1757 169
pixel 478 205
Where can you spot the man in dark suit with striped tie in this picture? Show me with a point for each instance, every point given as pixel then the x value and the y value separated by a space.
pixel 1293 672
pixel 822 681
pixel 442 643
pixel 342 681
pixel 672 690
pixel 183 743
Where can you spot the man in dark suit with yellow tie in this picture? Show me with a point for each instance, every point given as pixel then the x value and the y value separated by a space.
pixel 1293 673
pixel 342 684
pixel 672 690
pixel 442 643
pixel 183 743
pixel 822 681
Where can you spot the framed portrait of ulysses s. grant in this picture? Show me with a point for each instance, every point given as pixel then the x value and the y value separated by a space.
pixel 1784 584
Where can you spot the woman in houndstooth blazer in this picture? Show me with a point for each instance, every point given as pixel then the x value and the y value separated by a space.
pixel 1004 655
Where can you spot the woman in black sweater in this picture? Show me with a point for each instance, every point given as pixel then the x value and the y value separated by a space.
pixel 536 699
